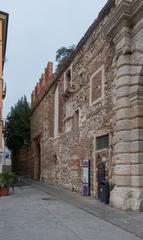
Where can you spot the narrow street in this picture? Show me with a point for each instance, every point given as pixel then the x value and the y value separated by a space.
pixel 32 214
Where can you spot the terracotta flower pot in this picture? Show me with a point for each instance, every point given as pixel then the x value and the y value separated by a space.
pixel 4 191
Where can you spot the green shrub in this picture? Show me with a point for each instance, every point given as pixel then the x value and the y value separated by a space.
pixel 7 179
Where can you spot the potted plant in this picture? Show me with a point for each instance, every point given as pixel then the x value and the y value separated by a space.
pixel 7 179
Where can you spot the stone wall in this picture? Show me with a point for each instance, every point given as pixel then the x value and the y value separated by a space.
pixel 62 157
pixel 127 140
pixel 100 109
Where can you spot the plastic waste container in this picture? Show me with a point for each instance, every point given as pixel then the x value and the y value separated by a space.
pixel 104 192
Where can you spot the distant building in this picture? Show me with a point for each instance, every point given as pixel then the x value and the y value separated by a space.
pixel 93 109
pixel 3 41
pixel 6 162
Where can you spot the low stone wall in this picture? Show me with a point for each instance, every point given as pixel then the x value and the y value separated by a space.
pixel 21 161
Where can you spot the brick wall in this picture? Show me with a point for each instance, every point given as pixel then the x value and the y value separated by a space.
pixel 22 161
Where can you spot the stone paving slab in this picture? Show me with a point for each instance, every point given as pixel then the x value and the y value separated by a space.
pixel 32 214
pixel 131 222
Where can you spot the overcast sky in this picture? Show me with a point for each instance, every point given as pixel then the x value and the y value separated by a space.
pixel 37 28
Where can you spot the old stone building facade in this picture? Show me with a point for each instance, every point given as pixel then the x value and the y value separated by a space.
pixel 3 42
pixel 92 109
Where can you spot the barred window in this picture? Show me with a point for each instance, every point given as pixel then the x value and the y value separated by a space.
pixel 102 142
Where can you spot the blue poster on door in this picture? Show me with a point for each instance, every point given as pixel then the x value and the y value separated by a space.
pixel 85 181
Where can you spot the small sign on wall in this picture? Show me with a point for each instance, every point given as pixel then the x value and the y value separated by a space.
pixel 86 180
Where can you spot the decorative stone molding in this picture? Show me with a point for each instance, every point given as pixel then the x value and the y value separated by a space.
pixel 97 82
pixel 119 16
pixel 127 177
pixel 120 1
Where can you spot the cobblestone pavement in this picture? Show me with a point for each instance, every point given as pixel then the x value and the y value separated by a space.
pixel 32 214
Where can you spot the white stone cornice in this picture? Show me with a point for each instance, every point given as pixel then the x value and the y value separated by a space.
pixel 136 6
pixel 122 14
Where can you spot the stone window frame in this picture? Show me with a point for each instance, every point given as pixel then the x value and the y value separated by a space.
pixel 66 104
pixel 56 134
pixel 71 83
pixel 81 75
pixel 79 114
pixel 71 118
pixel 102 70
pixel 65 129
pixel 67 118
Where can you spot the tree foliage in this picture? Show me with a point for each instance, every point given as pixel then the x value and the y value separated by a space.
pixel 17 126
pixel 63 54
